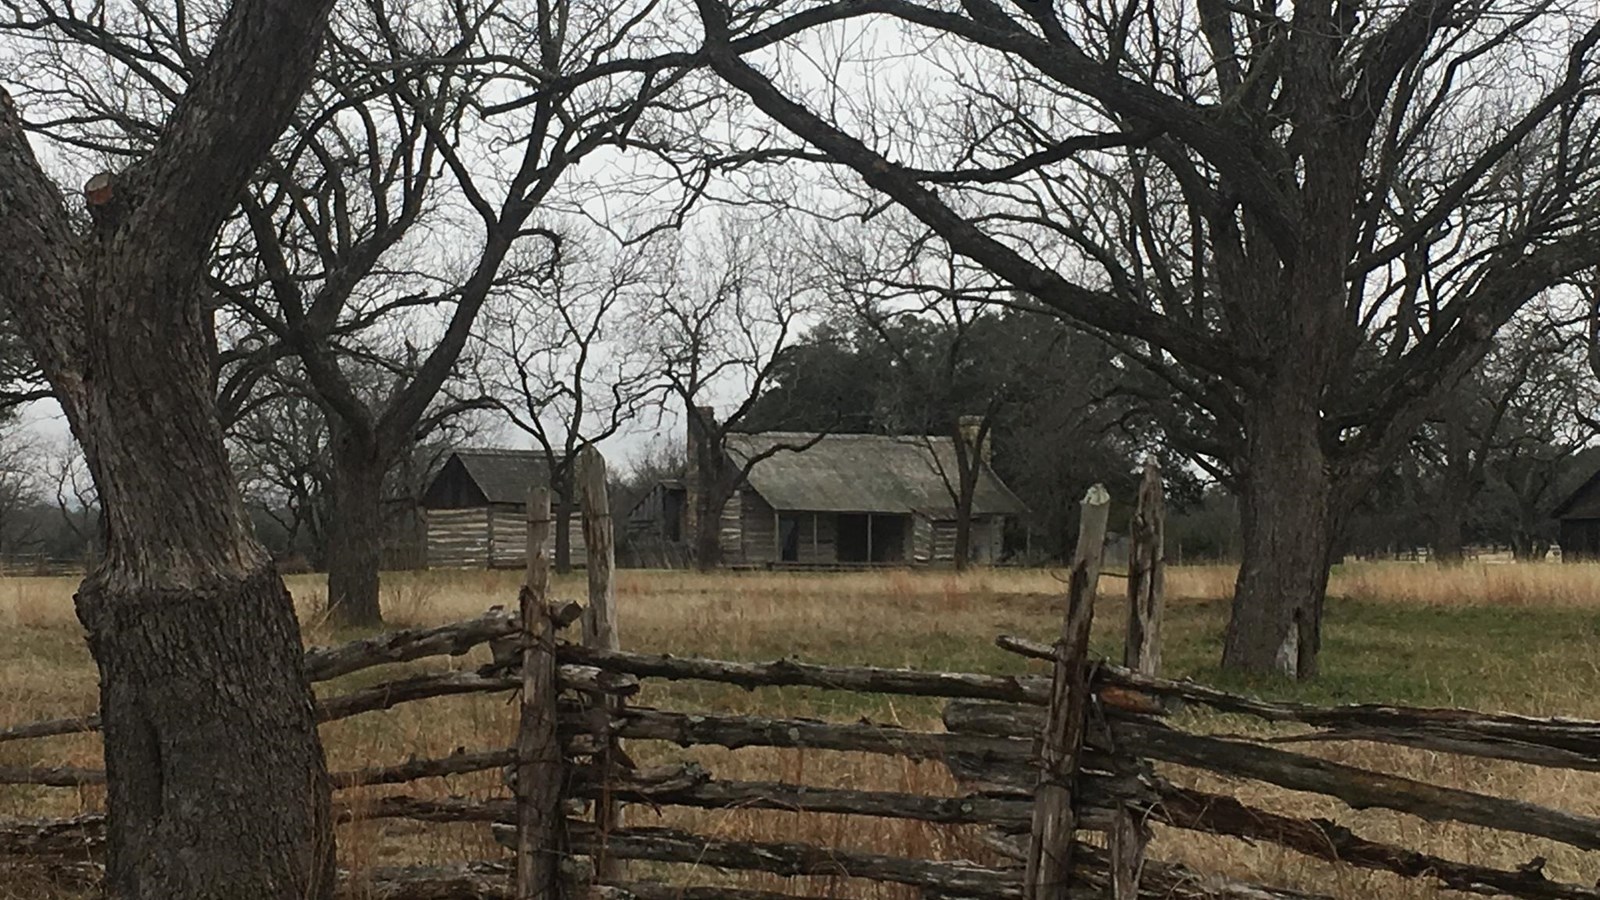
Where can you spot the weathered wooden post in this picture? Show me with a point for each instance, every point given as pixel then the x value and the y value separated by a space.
pixel 599 540
pixel 600 620
pixel 1147 575
pixel 1054 817
pixel 538 783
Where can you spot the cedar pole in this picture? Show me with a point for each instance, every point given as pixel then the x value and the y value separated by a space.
pixel 1054 817
pixel 601 621
pixel 1141 653
pixel 538 782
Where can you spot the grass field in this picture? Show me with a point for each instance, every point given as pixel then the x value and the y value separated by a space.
pixel 1524 638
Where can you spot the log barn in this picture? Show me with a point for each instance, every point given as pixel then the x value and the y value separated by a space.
pixel 1579 518
pixel 475 511
pixel 846 499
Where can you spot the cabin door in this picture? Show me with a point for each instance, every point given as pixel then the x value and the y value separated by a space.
pixel 789 537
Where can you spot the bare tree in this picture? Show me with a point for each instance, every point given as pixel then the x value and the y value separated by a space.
pixel 1512 422
pixel 418 126
pixel 21 490
pixel 1307 221
pixel 76 504
pixel 717 329
pixel 554 355
pixel 217 781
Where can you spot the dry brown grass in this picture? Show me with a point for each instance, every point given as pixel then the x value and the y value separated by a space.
pixel 1498 636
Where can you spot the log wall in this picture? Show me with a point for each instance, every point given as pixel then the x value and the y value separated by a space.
pixel 493 537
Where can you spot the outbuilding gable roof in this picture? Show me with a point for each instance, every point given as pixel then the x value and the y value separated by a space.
pixel 1583 503
pixel 503 476
pixel 865 473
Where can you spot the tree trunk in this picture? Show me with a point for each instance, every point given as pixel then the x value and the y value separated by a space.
pixel 217 786
pixel 1449 547
pixel 708 529
pixel 968 486
pixel 1286 524
pixel 355 540
pixel 1456 492
pixel 563 492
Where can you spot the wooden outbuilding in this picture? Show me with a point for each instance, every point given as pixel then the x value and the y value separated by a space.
pixel 846 499
pixel 475 510
pixel 1579 518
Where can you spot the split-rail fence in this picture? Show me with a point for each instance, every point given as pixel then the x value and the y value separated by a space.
pixel 1065 775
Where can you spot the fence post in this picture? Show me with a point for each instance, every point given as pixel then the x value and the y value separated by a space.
pixel 1054 817
pixel 1147 575
pixel 600 624
pixel 599 541
pixel 538 782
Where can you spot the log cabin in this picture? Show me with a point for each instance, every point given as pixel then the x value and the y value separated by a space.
pixel 843 500
pixel 475 511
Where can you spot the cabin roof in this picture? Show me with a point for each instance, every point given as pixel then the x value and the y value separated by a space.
pixel 504 476
pixel 864 473
pixel 1583 503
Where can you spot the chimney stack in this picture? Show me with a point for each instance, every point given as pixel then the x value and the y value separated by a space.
pixel 967 429
pixel 702 419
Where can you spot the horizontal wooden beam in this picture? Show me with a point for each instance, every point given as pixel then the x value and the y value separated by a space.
pixel 733 732
pixel 1359 788
pixel 1564 743
pixel 784 672
pixel 454 639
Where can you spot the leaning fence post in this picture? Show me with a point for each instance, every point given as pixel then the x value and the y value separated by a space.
pixel 1147 565
pixel 538 780
pixel 600 624
pixel 1054 817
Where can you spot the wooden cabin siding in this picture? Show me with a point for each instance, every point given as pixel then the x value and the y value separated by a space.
pixel 985 540
pixel 488 538
pixel 944 540
pixel 457 538
pixel 732 539
pixel 509 538
pixel 922 540
pixel 758 529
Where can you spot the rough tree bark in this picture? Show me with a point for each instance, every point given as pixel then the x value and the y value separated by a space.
pixel 355 538
pixel 1285 520
pixel 217 787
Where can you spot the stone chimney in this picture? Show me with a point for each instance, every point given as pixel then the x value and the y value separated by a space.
pixel 967 429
